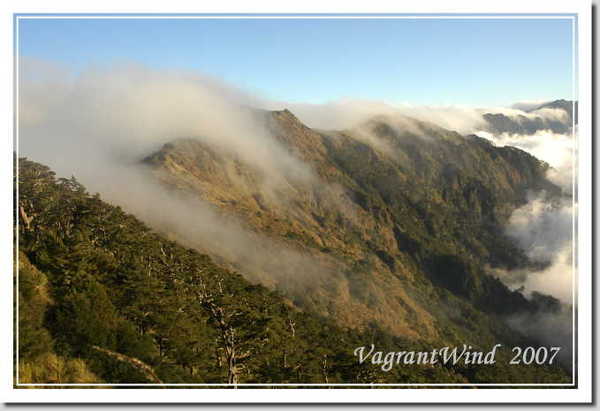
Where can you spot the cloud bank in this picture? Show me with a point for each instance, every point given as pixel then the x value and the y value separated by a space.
pixel 545 231
pixel 120 114
pixel 349 113
pixel 544 227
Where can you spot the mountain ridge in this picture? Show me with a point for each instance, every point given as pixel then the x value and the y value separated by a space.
pixel 386 227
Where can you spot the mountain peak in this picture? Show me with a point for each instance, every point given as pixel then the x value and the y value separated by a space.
pixel 285 113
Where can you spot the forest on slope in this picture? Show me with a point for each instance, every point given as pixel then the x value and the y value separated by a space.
pixel 103 298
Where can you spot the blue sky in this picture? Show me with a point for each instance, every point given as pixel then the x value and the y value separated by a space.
pixel 418 61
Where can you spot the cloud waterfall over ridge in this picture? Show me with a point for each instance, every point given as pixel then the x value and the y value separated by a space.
pixel 98 123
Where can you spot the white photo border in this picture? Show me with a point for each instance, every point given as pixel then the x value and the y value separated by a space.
pixel 582 92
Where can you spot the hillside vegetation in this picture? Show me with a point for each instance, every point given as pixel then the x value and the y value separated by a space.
pixel 399 227
pixel 103 298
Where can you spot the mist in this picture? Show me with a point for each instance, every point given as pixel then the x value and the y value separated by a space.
pixel 80 123
pixel 544 229
pixel 99 124
pixel 200 225
pixel 348 113
pixel 544 226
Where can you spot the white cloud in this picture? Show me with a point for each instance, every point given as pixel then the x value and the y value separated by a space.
pixel 127 112
pixel 544 229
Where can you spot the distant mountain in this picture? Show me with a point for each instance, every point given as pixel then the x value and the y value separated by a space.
pixel 567 105
pixel 536 120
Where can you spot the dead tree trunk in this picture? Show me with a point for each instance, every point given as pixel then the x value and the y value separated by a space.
pixel 324 368
pixel 226 336
pixel 25 218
